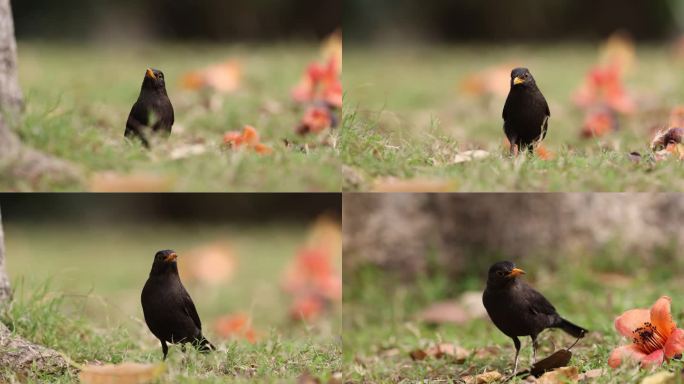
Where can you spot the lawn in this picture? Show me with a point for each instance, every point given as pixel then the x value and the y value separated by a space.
pixel 381 326
pixel 77 290
pixel 406 119
pixel 78 98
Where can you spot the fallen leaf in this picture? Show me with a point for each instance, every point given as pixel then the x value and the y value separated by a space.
pixel 394 185
pixel 487 352
pixel 663 377
pixel 561 375
pixel 418 355
pixel 667 137
pixel 124 373
pixel 558 359
pixel 592 374
pixel 137 182
pixel 440 351
pixel 307 378
pixel 468 156
pixel 452 351
pixel 483 378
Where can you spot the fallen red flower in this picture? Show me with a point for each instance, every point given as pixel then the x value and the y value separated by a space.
pixel 249 137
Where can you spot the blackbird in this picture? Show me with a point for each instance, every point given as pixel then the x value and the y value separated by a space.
pixel 152 111
pixel 169 311
pixel 526 113
pixel 519 310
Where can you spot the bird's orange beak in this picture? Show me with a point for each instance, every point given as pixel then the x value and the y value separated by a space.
pixel 517 81
pixel 516 272
pixel 150 74
pixel 171 257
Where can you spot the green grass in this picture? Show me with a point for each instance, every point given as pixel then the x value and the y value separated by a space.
pixel 77 290
pixel 78 99
pixel 405 118
pixel 380 316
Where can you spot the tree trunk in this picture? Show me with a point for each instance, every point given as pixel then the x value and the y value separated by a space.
pixel 11 99
pixel 5 293
pixel 16 353
pixel 16 161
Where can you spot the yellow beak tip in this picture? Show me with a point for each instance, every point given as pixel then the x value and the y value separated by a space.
pixel 150 73
pixel 517 81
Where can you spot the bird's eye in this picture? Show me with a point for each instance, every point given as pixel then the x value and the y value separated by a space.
pixel 501 273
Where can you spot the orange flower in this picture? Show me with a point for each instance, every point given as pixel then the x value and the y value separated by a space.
pixel 599 123
pixel 320 83
pixel 655 336
pixel 316 119
pixel 604 86
pixel 249 137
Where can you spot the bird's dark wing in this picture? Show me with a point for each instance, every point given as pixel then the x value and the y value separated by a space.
pixel 537 303
pixel 190 309
pixel 506 108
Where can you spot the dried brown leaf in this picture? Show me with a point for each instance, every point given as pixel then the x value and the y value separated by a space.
pixel 483 378
pixel 124 373
pixel 560 376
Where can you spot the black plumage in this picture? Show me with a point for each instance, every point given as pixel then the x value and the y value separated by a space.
pixel 152 113
pixel 526 113
pixel 519 310
pixel 169 311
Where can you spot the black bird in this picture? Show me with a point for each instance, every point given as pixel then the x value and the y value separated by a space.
pixel 526 113
pixel 169 311
pixel 153 111
pixel 519 310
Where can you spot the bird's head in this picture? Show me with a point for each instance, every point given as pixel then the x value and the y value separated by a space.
pixel 154 79
pixel 503 273
pixel 521 77
pixel 164 262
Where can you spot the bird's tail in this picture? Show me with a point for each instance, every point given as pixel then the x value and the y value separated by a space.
pixel 572 329
pixel 203 345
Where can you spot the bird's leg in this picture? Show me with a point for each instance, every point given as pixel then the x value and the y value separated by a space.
pixel 165 349
pixel 535 345
pixel 516 341
pixel 515 149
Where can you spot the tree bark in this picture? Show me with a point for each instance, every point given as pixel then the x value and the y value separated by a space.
pixel 16 161
pixel 11 99
pixel 5 292
pixel 16 353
